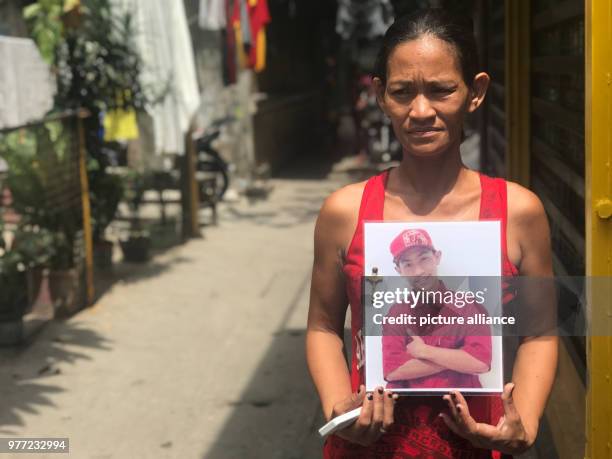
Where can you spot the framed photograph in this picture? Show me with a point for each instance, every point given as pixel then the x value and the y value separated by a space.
pixel 433 317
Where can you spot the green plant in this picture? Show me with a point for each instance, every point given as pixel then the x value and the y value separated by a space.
pixel 43 183
pixel 105 199
pixel 31 247
pixel 46 28
pixel 136 183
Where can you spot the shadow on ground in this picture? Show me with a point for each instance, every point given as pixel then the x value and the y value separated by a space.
pixel 279 408
pixel 26 379
pixel 129 273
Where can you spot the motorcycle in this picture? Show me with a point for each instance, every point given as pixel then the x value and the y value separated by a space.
pixel 210 164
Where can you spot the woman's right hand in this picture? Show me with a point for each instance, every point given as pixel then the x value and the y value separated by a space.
pixel 376 416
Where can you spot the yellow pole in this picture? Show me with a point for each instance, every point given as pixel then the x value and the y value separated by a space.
pixel 87 231
pixel 598 207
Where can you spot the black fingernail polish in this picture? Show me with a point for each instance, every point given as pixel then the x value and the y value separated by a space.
pixel 380 390
pixel 370 397
pixel 390 395
pixel 453 395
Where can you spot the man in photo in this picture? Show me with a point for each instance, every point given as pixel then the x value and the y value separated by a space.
pixel 431 356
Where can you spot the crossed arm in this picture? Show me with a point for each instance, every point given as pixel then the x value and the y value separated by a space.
pixel 427 360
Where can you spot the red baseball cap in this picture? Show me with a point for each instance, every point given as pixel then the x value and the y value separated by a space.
pixel 410 238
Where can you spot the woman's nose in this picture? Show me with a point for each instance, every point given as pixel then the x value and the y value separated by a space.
pixel 421 108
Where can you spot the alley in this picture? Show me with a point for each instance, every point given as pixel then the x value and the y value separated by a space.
pixel 198 354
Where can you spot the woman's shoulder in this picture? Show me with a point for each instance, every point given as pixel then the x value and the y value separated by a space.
pixel 343 204
pixel 529 227
pixel 339 216
pixel 524 206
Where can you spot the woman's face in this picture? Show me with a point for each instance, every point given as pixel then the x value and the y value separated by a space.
pixel 426 97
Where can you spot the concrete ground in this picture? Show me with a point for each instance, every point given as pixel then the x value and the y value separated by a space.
pixel 198 354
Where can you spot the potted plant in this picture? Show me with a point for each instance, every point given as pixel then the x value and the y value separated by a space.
pixel 21 271
pixel 137 247
pixel 13 287
pixel 34 157
pixel 35 247
pixel 166 232
pixel 105 195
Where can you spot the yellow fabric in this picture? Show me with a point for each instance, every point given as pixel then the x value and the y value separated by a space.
pixel 252 2
pixel 243 59
pixel 260 61
pixel 69 5
pixel 120 125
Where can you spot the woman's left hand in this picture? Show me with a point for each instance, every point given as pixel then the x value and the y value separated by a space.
pixel 509 436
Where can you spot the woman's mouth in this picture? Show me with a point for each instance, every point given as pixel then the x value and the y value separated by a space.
pixel 425 132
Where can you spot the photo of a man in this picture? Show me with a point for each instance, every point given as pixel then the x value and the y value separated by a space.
pixel 444 355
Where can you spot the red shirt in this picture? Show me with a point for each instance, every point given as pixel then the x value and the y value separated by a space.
pixel 473 339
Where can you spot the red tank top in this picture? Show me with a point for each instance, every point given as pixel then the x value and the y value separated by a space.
pixel 418 431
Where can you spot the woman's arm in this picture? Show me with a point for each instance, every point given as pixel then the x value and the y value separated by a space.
pixel 534 370
pixel 328 303
pixel 536 361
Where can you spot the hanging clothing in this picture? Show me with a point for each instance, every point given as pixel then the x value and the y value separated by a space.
pixel 245 25
pixel 228 47
pixel 250 32
pixel 212 15
pixel 165 46
pixel 27 87
pixel 260 17
pixel 242 32
pixel 121 124
pixel 363 18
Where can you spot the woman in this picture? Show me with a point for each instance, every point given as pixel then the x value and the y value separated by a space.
pixel 426 82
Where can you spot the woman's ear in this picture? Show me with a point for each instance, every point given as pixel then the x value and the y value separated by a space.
pixel 379 88
pixel 478 91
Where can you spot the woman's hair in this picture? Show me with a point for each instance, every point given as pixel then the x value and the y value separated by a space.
pixel 455 29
